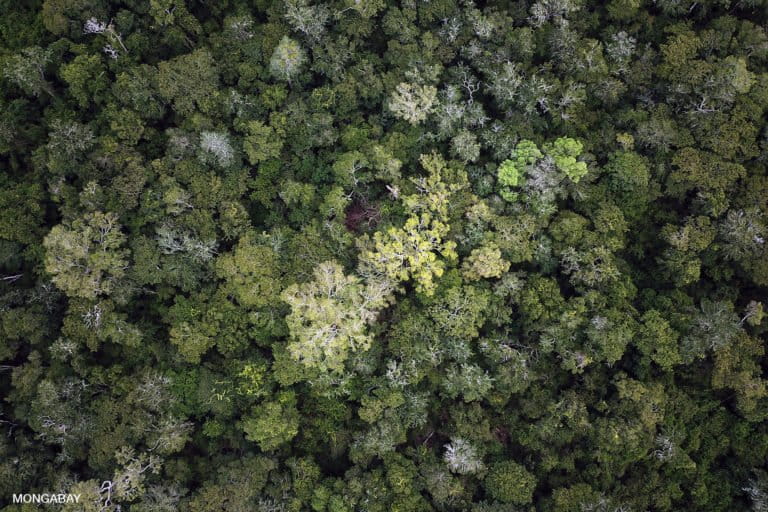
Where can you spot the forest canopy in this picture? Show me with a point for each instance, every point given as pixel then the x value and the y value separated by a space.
pixel 382 255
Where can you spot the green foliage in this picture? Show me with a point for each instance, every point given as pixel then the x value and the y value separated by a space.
pixel 485 262
pixel 26 201
pixel 287 59
pixel 459 311
pixel 509 482
pixel 272 423
pixel 251 273
pixel 86 79
pixel 411 252
pixel 706 173
pixel 526 159
pixel 564 151
pixel 658 340
pixel 86 257
pixel 412 102
pixel 384 256
pixel 512 171
pixel 510 175
pixel 27 70
pixel 188 81
pixel 469 381
pixel 330 314
pixel 261 143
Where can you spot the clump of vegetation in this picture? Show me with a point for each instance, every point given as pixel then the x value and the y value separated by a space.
pixel 367 255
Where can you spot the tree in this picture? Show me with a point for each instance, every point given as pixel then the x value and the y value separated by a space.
pixel 348 167
pixel 465 146
pixel 484 262
pixel 216 147
pixel 330 315
pixel 509 482
pixel 126 485
pixel 413 102
pixel 173 240
pixel 469 380
pixel 27 70
pixel 366 8
pixel 188 81
pixel 68 146
pixel 287 59
pixel 94 26
pixel 167 13
pixel 136 89
pixel 564 152
pixel 411 252
pixel 757 490
pixel 459 311
pixel 58 15
pixel 744 234
pixel 713 326
pixel 86 256
pixel 544 169
pixel 593 267
pixel 86 78
pixel 736 367
pixel 462 458
pixel 261 142
pixel 511 172
pixel 310 20
pixel 251 273
pixel 629 181
pixel 658 340
pixel 710 176
pixel 273 423
pixel 25 200
pixel 193 338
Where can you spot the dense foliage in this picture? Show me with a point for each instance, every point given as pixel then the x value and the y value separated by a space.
pixel 370 255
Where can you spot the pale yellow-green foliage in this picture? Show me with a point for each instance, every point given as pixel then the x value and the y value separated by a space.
pixel 413 102
pixel 85 257
pixel 411 252
pixel 433 193
pixel 330 315
pixel 484 262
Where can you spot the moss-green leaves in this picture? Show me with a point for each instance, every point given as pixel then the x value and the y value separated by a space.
pixel 528 159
